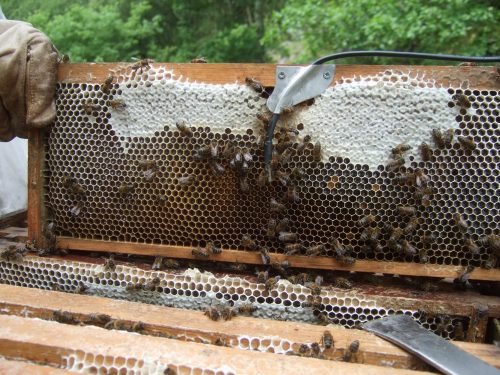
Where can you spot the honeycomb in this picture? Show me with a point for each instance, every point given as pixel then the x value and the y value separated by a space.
pixel 192 289
pixel 101 137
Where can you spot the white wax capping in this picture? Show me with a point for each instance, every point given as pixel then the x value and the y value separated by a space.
pixel 360 119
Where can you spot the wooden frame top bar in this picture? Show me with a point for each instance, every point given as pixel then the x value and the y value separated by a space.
pixel 194 326
pixel 478 77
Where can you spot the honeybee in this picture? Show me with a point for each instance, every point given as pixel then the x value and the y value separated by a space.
pixel 315 289
pixel 125 190
pixel 467 143
pixel 293 248
pixel 152 284
pixel 463 276
pixel 281 267
pixel 342 282
pixel 238 267
pixel 171 263
pixel 207 152
pixel 406 210
pixel 394 245
pixel 282 225
pixel 396 234
pixel 98 319
pixel 351 351
pixel 276 207
pixel 285 156
pixel 287 237
pixel 198 252
pixel 282 177
pixel 109 264
pixel 64 317
pixel 301 278
pixel 304 143
pixel 12 253
pixel 76 209
pixel 292 194
pixel 73 186
pixel 471 246
pixel 490 263
pixel 81 288
pixel 265 119
pixel 408 249
pixel 367 220
pixel 370 234
pixel 264 254
pixel 460 223
pixel 262 277
pixel 303 350
pixel 248 242
pixel 213 249
pixel 425 152
pixel 106 86
pixel 428 239
pixel 346 260
pixel 271 282
pixel 323 319
pixel 411 226
pixel 271 228
pixel 316 350
pixel 448 137
pixel 315 250
pixel 458 332
pixel 262 179
pixel 247 309
pixel 461 100
pixel 89 107
pixel 254 84
pixel 393 165
pixel 244 187
pixel 327 340
pixel 134 287
pixel 212 313
pixel 421 179
pixel 337 247
pixel 199 60
pixel 137 327
pixel 219 169
pixel 317 152
pixel 400 149
pixel 139 66
pixel 115 324
pixel 438 138
pixel 297 173
pixel 492 241
pixel 287 110
pixel 157 264
pixel 117 104
pixel 186 180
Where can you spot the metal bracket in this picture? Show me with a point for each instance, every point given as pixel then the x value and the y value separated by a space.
pixel 295 84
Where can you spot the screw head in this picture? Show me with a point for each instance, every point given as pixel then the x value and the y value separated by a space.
pixel 326 75
pixel 281 75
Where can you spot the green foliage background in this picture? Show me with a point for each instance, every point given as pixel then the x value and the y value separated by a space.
pixel 294 31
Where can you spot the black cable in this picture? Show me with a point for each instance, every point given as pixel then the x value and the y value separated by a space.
pixel 416 55
pixel 268 143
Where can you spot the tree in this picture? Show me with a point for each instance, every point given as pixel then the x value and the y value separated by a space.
pixel 304 30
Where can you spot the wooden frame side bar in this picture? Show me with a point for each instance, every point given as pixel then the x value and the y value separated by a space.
pixel 35 186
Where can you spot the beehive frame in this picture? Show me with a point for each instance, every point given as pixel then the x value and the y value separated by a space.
pixel 476 81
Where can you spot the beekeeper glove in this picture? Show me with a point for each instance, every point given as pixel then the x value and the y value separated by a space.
pixel 28 73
